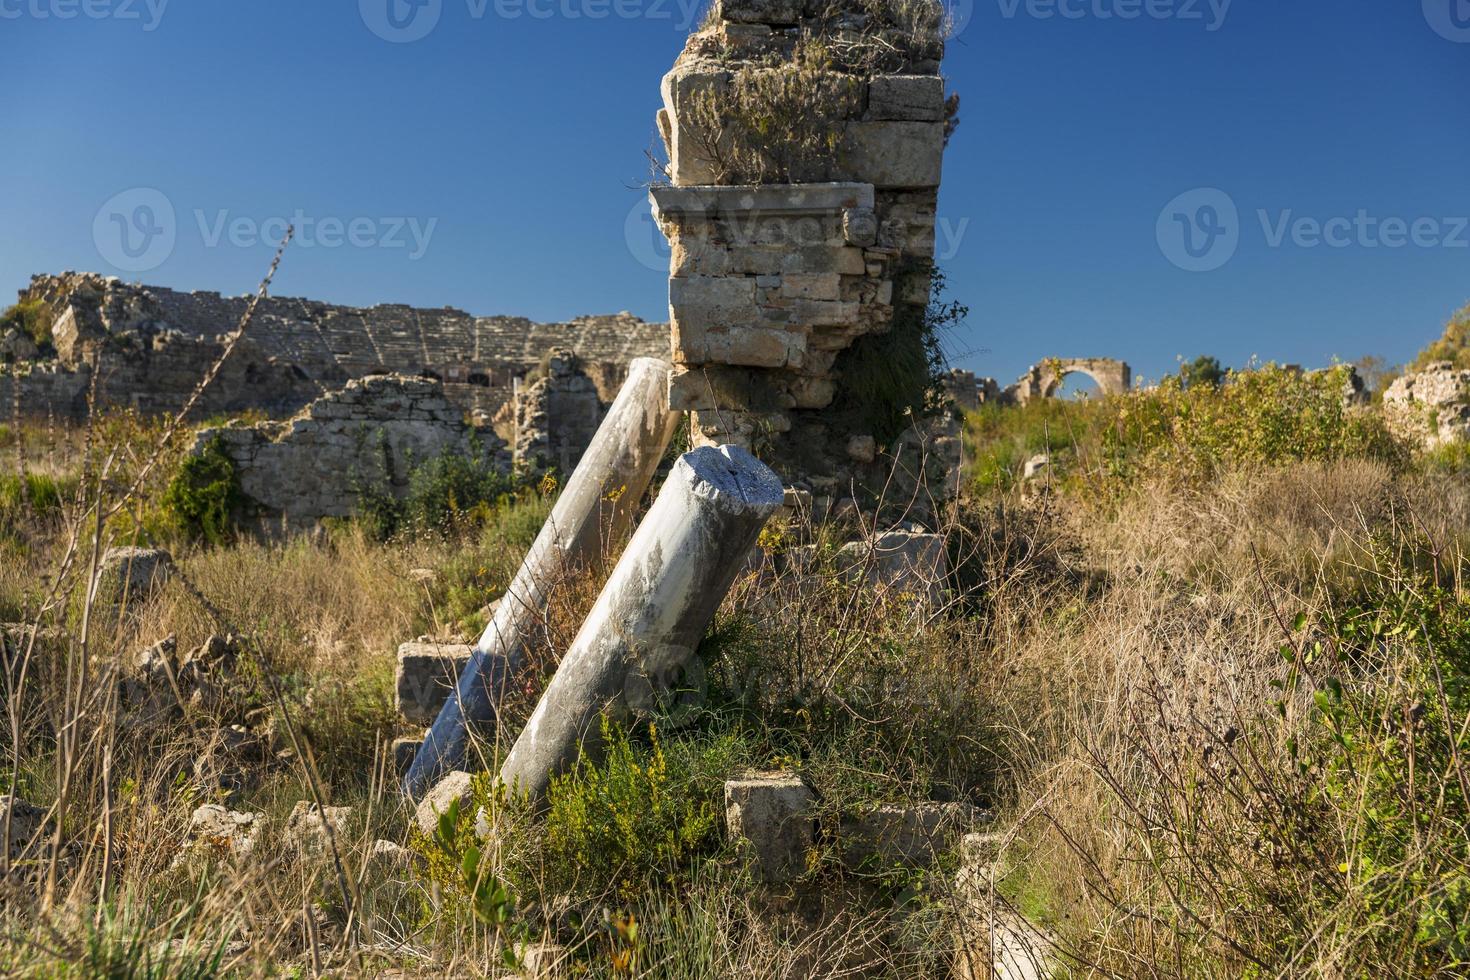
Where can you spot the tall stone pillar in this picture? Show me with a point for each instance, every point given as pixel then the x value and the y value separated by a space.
pixel 805 153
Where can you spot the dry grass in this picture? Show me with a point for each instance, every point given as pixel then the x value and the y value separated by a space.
pixel 1100 676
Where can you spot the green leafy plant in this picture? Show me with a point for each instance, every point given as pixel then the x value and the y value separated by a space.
pixel 889 381
pixel 30 317
pixel 204 498
pixel 636 819
pixel 488 898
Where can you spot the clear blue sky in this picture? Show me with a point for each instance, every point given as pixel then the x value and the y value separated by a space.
pixel 512 137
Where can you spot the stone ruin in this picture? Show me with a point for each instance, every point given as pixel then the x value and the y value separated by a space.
pixel 1432 407
pixel 369 434
pixel 551 420
pixel 148 347
pixel 805 146
pixel 1042 380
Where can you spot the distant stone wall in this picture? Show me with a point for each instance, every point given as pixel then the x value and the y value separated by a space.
pixel 371 433
pixel 551 421
pixel 151 345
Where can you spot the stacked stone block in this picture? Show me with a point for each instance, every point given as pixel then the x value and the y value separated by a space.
pixel 772 282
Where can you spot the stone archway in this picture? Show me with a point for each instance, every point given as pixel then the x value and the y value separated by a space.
pixel 1112 377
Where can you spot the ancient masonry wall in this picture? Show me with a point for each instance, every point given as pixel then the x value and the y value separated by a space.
pixel 368 435
pixel 771 283
pixel 149 346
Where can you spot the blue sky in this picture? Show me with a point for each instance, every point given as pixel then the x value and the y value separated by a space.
pixel 1313 152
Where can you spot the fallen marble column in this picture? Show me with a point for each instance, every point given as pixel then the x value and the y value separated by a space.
pixel 656 606
pixel 594 511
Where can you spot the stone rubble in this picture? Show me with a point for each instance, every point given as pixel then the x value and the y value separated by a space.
pixel 770 816
pixel 1431 407
pixel 26 823
pixel 132 575
pixel 306 827
pixel 216 829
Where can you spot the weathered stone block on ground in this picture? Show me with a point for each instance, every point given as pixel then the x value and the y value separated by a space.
pixel 307 827
pixel 387 858
pixel 771 817
pixel 900 563
pixel 216 829
pixel 26 822
pixel 907 835
pixel 544 961
pixel 132 575
pixel 425 678
pixel 454 786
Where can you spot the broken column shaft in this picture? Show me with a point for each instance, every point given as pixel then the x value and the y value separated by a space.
pixel 657 604
pixel 594 511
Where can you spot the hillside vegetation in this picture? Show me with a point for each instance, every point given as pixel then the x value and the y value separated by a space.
pixel 1210 671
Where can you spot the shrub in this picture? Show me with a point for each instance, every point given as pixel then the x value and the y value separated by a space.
pixel 889 381
pixel 204 497
pixel 1454 346
pixel 635 820
pixel 447 494
pixel 1266 416
pixel 32 318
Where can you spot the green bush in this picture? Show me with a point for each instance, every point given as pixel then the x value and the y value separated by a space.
pixel 1453 346
pixel 204 498
pixel 888 381
pixel 447 494
pixel 1266 416
pixel 639 818
pixel 31 318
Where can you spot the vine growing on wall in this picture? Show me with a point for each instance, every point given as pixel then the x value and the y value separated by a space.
pixel 886 382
